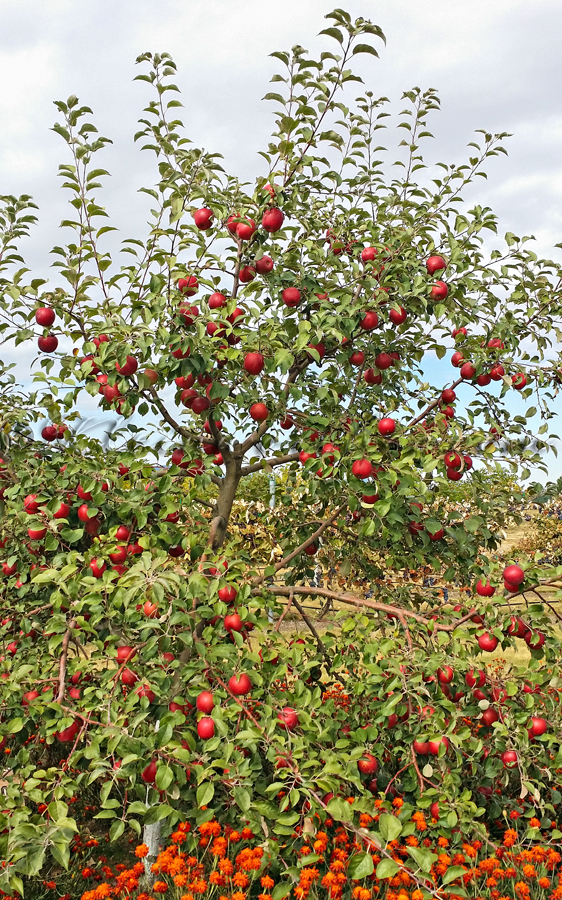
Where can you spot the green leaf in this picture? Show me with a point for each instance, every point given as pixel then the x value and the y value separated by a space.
pixel 333 32
pixel 339 810
pixel 387 868
pixel 360 866
pixel 242 798
pixel 205 793
pixel 424 858
pixel 281 889
pixel 452 874
pixel 364 48
pixel 389 827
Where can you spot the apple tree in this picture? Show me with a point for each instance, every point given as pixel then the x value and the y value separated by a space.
pixel 351 328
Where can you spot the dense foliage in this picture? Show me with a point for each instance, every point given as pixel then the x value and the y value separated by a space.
pixel 299 326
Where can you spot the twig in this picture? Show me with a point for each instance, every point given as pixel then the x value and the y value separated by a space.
pixel 317 638
pixel 63 657
pixel 285 611
pixel 310 540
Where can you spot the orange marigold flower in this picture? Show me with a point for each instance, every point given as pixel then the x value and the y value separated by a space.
pixel 241 880
pixel 217 878
pixel 234 837
pixel 514 814
pixel 412 841
pixel 247 834
pixel 238 895
pixel 510 837
pixel 210 828
pixel 226 867
pixel 534 823
pixel 305 851
pixel 522 888
pixel 266 881
pixel 398 803
pixel 417 895
pixel 180 880
pixel 265 897
pixel 529 871
pixel 365 820
pixel 544 883
pixel 160 887
pixel 301 892
pixel 178 837
pixel 469 851
pixel 141 851
pixel 441 842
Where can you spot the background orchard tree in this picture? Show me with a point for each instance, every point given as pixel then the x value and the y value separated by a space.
pixel 292 326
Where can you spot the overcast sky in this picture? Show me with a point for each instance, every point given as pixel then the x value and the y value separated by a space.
pixel 495 63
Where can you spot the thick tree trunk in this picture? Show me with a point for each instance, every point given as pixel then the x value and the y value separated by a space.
pixel 226 498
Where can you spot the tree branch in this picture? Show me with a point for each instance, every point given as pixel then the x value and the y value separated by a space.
pixel 63 658
pixel 275 461
pixel 353 600
pixel 287 559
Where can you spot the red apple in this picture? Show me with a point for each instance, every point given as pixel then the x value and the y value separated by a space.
pixel 514 574
pixel 288 717
pixel 434 745
pixel 445 675
pixel 205 728
pixel 485 590
pixel 435 264
pixel 216 301
pixel 233 622
pixel 125 653
pixel 144 691
pixel 291 297
pixel 372 378
pixel 386 427
pixel 475 678
pixel 468 371
pixel 488 642
pixel 398 316
pixel 362 468
pixel 123 533
pixel 369 321
pixel 534 639
pixel 98 567
pixel 457 359
pixel 259 412
pixel 36 534
pixel 452 460
pixel 519 381
pixel 254 363
pixel 205 702
pixel 538 726
pixel 368 764
pixel 148 774
pixel 439 291
pixel 264 265
pixel 459 332
pixel 247 274
pixel 497 372
pixel 62 512
pixel 84 512
pixel 45 316
pixel 228 594
pixel 188 286
pixel 128 677
pixel 434 810
pixel 203 218
pixel 48 344
pixel 50 433
pixel 383 361
pixel 240 685
pixel 517 627
pixel 30 504
pixel 368 254
pixel 509 759
pixel 272 220
pixel 421 747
